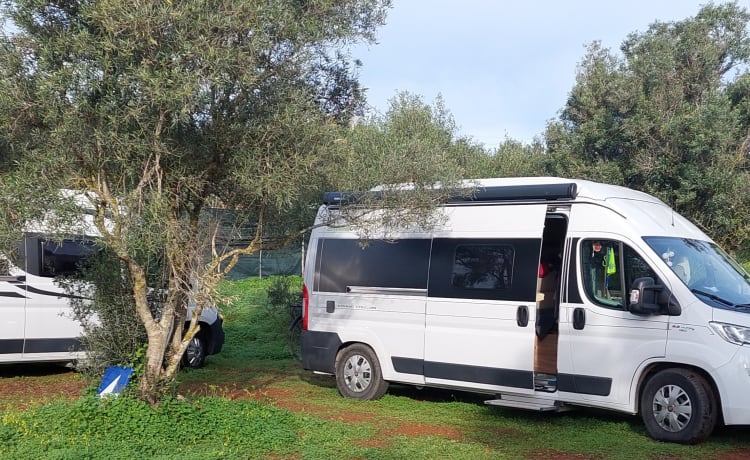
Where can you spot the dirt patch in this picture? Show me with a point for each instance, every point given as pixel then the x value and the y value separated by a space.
pixel 736 454
pixel 352 417
pixel 382 439
pixel 294 402
pixel 418 430
pixel 284 399
pixel 24 386
pixel 375 443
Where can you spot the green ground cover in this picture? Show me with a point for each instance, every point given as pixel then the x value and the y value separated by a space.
pixel 253 401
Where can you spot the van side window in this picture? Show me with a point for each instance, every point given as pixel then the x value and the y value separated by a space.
pixel 343 263
pixel 483 267
pixel 606 266
pixel 63 258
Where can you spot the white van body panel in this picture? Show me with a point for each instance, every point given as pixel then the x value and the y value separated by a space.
pixel 44 323
pixel 453 326
pixel 400 328
pixel 13 319
pixel 604 352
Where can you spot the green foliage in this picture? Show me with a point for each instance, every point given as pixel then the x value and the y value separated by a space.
pixel 413 142
pixel 513 159
pixel 125 428
pixel 254 331
pixel 667 117
pixel 284 292
pixel 117 337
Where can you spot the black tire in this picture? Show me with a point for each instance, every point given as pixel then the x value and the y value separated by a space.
pixel 295 339
pixel 358 373
pixel 678 405
pixel 195 354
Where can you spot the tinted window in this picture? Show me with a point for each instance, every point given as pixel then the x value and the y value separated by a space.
pixel 483 266
pixel 374 263
pixel 492 269
pixel 63 258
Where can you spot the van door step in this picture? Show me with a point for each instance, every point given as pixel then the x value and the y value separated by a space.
pixel 527 402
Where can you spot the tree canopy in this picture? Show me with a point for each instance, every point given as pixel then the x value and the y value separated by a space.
pixel 156 110
pixel 157 113
pixel 667 116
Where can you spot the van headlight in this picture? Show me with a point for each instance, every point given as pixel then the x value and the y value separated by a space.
pixel 732 333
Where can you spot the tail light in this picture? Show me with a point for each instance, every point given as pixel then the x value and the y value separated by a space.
pixel 305 307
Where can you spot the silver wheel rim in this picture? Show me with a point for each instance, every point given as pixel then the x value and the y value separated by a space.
pixel 672 408
pixel 194 351
pixel 357 373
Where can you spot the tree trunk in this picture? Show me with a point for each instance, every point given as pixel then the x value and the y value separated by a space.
pixel 158 333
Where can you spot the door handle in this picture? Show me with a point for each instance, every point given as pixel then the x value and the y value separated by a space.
pixel 579 318
pixel 522 316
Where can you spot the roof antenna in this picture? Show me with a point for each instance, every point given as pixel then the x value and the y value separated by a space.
pixel 672 209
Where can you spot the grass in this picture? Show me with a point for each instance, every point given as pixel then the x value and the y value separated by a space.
pixel 252 401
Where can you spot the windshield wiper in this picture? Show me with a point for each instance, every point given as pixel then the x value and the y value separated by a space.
pixel 713 297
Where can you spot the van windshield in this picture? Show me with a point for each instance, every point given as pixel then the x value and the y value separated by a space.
pixel 710 273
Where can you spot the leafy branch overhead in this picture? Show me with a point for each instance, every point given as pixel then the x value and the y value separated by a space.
pixel 156 111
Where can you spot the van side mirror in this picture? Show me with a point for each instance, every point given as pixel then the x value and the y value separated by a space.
pixel 648 298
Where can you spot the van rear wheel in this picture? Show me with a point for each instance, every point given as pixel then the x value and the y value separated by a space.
pixel 678 405
pixel 195 353
pixel 358 373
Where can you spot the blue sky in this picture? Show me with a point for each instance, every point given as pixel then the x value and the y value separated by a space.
pixel 504 68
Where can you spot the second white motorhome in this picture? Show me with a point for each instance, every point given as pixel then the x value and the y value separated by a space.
pixel 545 293
pixel 37 321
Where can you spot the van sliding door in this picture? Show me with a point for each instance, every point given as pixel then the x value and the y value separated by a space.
pixel 481 306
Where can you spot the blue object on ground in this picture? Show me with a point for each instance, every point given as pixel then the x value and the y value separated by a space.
pixel 115 380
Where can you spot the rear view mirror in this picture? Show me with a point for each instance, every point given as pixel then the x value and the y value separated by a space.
pixel 648 298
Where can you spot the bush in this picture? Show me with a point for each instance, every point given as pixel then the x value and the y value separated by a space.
pixel 282 293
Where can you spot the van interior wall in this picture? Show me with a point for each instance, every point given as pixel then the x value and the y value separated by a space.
pixel 545 349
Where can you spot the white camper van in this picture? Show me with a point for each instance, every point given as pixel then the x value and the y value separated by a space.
pixel 545 293
pixel 37 322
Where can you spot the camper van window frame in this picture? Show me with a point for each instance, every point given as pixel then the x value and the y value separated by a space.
pixel 629 265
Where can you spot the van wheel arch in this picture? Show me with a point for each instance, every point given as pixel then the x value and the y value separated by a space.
pixel 657 367
pixel 358 372
pixel 689 392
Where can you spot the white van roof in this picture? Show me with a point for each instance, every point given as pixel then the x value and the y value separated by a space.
pixel 646 214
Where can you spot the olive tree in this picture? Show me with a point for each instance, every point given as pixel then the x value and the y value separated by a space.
pixel 667 115
pixel 155 112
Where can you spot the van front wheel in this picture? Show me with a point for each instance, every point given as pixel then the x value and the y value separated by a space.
pixel 358 373
pixel 678 405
